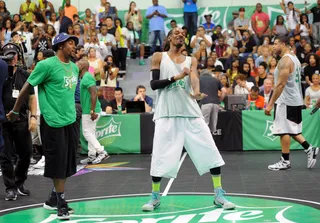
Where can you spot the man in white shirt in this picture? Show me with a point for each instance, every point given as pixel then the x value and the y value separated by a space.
pixel 195 40
pixel 101 48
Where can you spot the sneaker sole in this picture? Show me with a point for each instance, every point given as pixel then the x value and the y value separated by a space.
pixel 279 169
pixel 150 209
pixel 64 217
pixel 106 157
pixel 22 194
pixel 11 199
pixel 49 208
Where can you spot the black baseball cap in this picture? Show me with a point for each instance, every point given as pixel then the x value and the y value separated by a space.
pixel 10 48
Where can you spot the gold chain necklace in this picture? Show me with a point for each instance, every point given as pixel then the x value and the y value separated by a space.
pixel 64 64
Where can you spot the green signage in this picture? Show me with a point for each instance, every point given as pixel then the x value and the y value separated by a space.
pixel 117 133
pixel 174 209
pixel 257 131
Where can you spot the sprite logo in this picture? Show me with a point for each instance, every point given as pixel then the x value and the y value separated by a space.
pixel 268 133
pixel 180 83
pixel 107 134
pixel 70 81
pixel 174 209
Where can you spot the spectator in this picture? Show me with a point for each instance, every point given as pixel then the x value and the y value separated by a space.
pixel 208 26
pixel 235 15
pixel 216 35
pixel 313 67
pixel 4 13
pixel 118 105
pixel 260 22
pixel 243 86
pixel 187 39
pixel 246 71
pixel 307 49
pixel 16 19
pixel 210 67
pixel 316 22
pixel 80 52
pixel 27 36
pixel 156 15
pixel 38 59
pixel 141 96
pixel 246 46
pixel 253 68
pixel 256 98
pixel 195 40
pixel 201 53
pixel 7 29
pixel 262 71
pixel 77 33
pixel 217 72
pixel 226 84
pixel 101 49
pixel 304 29
pixel 190 15
pixel 292 45
pixel 103 102
pixel 222 49
pixel 267 90
pixel 111 74
pixel 122 45
pixel 45 7
pixel 53 21
pixel 134 15
pixel 234 55
pixel 279 29
pixel 210 105
pixel 233 71
pixel 38 20
pixel 41 41
pixel 70 30
pixel 88 18
pixel 89 29
pixel 173 24
pixel 64 21
pixel 272 65
pixel 241 24
pixel 134 42
pixel 265 57
pixel 266 42
pixel 99 9
pixel 107 38
pixel 313 92
pixel 97 65
pixel 108 12
pixel 216 61
pixel 27 9
pixel 70 10
pixel 292 15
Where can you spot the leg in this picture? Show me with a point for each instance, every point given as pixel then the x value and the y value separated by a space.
pixel 23 143
pixel 285 146
pixel 315 29
pixel 123 58
pixel 161 39
pixel 194 22
pixel 207 110
pixel 152 41
pixel 141 54
pixel 167 147
pixel 115 54
pixel 6 163
pixel 205 156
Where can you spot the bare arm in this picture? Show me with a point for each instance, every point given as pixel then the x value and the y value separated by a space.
pixel 194 78
pixel 33 104
pixel 24 93
pixel 283 7
pixel 285 67
pixel 223 93
pixel 93 97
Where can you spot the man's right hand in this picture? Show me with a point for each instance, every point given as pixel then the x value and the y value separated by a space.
pixel 12 117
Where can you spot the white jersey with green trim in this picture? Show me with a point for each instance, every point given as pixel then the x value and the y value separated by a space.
pixel 292 92
pixel 175 100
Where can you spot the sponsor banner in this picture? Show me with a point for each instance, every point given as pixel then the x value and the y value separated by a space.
pixel 117 133
pixel 257 131
pixel 174 209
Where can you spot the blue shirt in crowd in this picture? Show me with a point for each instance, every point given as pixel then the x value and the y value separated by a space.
pixel 156 23
pixel 190 6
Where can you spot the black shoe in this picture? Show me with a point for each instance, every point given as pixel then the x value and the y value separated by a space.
pixel 63 213
pixel 51 204
pixel 23 191
pixel 11 195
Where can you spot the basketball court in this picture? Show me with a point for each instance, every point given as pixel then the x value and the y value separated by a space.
pixel 114 191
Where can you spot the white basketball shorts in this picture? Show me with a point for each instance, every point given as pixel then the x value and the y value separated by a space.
pixel 171 134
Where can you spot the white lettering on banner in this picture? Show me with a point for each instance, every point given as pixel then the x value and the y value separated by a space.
pixel 218 132
pixel 211 216
pixel 110 129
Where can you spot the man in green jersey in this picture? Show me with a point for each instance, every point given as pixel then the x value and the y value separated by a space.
pixel 91 109
pixel 56 79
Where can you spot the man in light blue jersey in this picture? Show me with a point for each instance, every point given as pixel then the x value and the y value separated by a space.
pixel 179 122
pixel 287 101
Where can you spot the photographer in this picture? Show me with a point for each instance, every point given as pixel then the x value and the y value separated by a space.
pixel 110 82
pixel 16 134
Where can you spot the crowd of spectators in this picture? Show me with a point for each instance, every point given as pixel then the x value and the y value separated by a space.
pixel 239 55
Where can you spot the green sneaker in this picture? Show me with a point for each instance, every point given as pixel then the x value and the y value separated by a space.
pixel 142 63
pixel 153 203
pixel 221 201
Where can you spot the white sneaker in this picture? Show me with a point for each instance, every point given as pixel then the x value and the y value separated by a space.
pixel 221 201
pixel 102 156
pixel 88 160
pixel 312 153
pixel 153 203
pixel 281 165
pixel 40 164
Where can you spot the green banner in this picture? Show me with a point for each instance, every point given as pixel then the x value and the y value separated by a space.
pixel 117 133
pixel 257 131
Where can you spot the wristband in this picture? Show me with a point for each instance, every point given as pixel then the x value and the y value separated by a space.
pixel 16 113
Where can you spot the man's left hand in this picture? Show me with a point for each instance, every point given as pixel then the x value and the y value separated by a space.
pixel 94 116
pixel 268 110
pixel 32 124
pixel 199 96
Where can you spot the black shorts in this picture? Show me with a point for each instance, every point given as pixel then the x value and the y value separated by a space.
pixel 287 120
pixel 60 150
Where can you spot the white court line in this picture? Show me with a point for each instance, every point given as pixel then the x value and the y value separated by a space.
pixel 165 192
